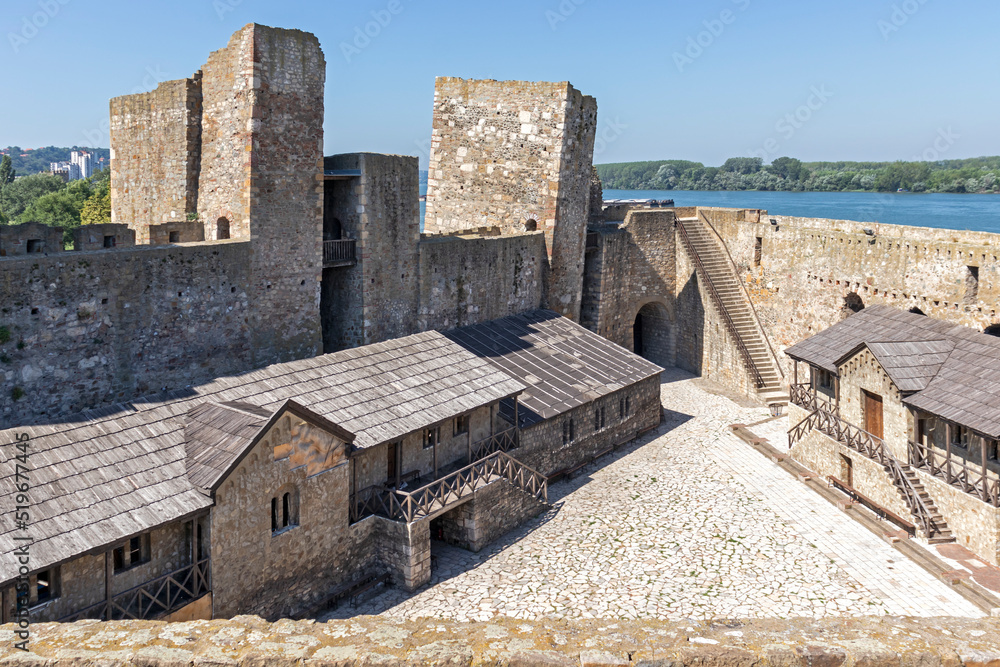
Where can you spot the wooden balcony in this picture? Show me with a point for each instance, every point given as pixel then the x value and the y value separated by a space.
pixel 439 496
pixel 956 471
pixel 152 599
pixel 339 252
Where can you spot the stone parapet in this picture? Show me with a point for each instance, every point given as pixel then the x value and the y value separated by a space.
pixel 247 640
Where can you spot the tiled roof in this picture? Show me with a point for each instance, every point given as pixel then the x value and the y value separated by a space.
pixel 954 370
pixel 106 475
pixel 563 364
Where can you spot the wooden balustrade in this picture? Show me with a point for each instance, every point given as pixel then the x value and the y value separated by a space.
pixel 504 441
pixel 438 495
pixel 803 396
pixel 152 599
pixel 339 252
pixel 957 472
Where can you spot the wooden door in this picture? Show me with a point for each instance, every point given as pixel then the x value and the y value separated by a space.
pixel 873 414
pixel 847 470
pixel 390 467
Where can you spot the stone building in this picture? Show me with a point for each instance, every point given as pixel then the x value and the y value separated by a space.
pixel 278 491
pixel 903 411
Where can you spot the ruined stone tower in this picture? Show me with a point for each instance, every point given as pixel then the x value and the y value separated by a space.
pixel 236 152
pixel 518 156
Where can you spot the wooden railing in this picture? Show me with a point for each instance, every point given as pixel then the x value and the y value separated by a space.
pixel 437 496
pixel 880 511
pixel 957 472
pixel 720 305
pixel 152 599
pixel 844 432
pixel 746 293
pixel 872 447
pixel 504 441
pixel 340 251
pixel 803 396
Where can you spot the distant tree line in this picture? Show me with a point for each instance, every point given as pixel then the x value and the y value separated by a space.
pixel 49 200
pixel 38 160
pixel 973 175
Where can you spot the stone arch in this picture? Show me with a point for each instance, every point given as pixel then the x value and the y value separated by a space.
pixel 853 302
pixel 992 330
pixel 651 332
pixel 531 226
pixel 222 228
pixel 333 229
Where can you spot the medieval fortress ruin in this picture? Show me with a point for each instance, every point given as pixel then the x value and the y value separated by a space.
pixel 240 256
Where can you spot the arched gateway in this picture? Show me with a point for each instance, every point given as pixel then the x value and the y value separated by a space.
pixel 651 333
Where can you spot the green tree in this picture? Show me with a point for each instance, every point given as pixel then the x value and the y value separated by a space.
pixel 7 175
pixel 22 193
pixel 97 209
pixel 60 209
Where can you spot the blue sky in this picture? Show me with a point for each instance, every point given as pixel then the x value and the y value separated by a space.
pixel 846 80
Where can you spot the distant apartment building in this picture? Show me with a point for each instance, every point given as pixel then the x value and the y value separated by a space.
pixel 80 165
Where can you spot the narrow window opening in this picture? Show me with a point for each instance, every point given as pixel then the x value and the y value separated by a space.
pixel 461 425
pixel 531 226
pixel 971 285
pixel 34 246
pixel 222 229
pixel 758 250
pixel 174 237
pixel 274 515
pixel 110 241
pixel 285 511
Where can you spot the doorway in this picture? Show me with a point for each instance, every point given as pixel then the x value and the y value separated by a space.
pixel 847 470
pixel 873 414
pixel 390 467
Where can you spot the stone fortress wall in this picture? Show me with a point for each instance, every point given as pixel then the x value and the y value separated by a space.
pixel 241 141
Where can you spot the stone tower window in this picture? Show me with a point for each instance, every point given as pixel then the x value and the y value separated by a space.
pixel 758 250
pixel 222 228
pixel 34 245
pixel 971 285
pixel 531 226
pixel 854 303
pixel 110 241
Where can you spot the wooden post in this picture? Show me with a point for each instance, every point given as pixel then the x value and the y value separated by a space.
pixel 468 440
pixel 194 541
pixel 515 420
pixel 795 365
pixel 399 461
pixel 836 392
pixel 982 442
pixel 437 436
pixel 5 601
pixel 109 570
pixel 947 452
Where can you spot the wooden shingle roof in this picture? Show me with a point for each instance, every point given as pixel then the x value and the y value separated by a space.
pixel 108 474
pixel 563 364
pixel 953 371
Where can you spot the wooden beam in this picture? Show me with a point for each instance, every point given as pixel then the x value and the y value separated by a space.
pixel 437 436
pixel 947 452
pixel 982 444
pixel 399 461
pixel 795 364
pixel 109 571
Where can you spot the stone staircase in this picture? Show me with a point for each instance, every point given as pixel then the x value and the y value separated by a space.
pixel 715 267
pixel 939 532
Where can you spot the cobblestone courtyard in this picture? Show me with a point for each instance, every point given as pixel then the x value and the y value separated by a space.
pixel 688 523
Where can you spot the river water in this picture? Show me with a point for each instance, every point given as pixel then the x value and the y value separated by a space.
pixel 979 213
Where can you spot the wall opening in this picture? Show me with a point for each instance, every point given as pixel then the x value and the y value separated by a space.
pixel 174 237
pixel 651 334
pixel 917 311
pixel 34 245
pixel 853 303
pixel 971 285
pixel 531 226
pixel 222 228
pixel 333 230
pixel 110 241
pixel 758 250
pixel 993 330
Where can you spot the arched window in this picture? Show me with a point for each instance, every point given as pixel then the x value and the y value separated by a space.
pixel 284 510
pixel 531 226
pixel 854 303
pixel 222 228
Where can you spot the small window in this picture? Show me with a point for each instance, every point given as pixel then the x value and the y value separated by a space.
pixel 174 237
pixel 959 437
pixel 531 226
pixel 621 408
pixel 991 449
pixel 824 379
pixel 131 554
pixel 461 425
pixel 597 419
pixel 628 405
pixel 34 246
pixel 46 585
pixel 603 415
pixel 284 511
pixel 432 437
pixel 758 250
pixel 569 433
pixel 222 229
pixel 110 241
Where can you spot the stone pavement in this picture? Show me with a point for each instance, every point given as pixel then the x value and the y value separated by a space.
pixel 690 522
